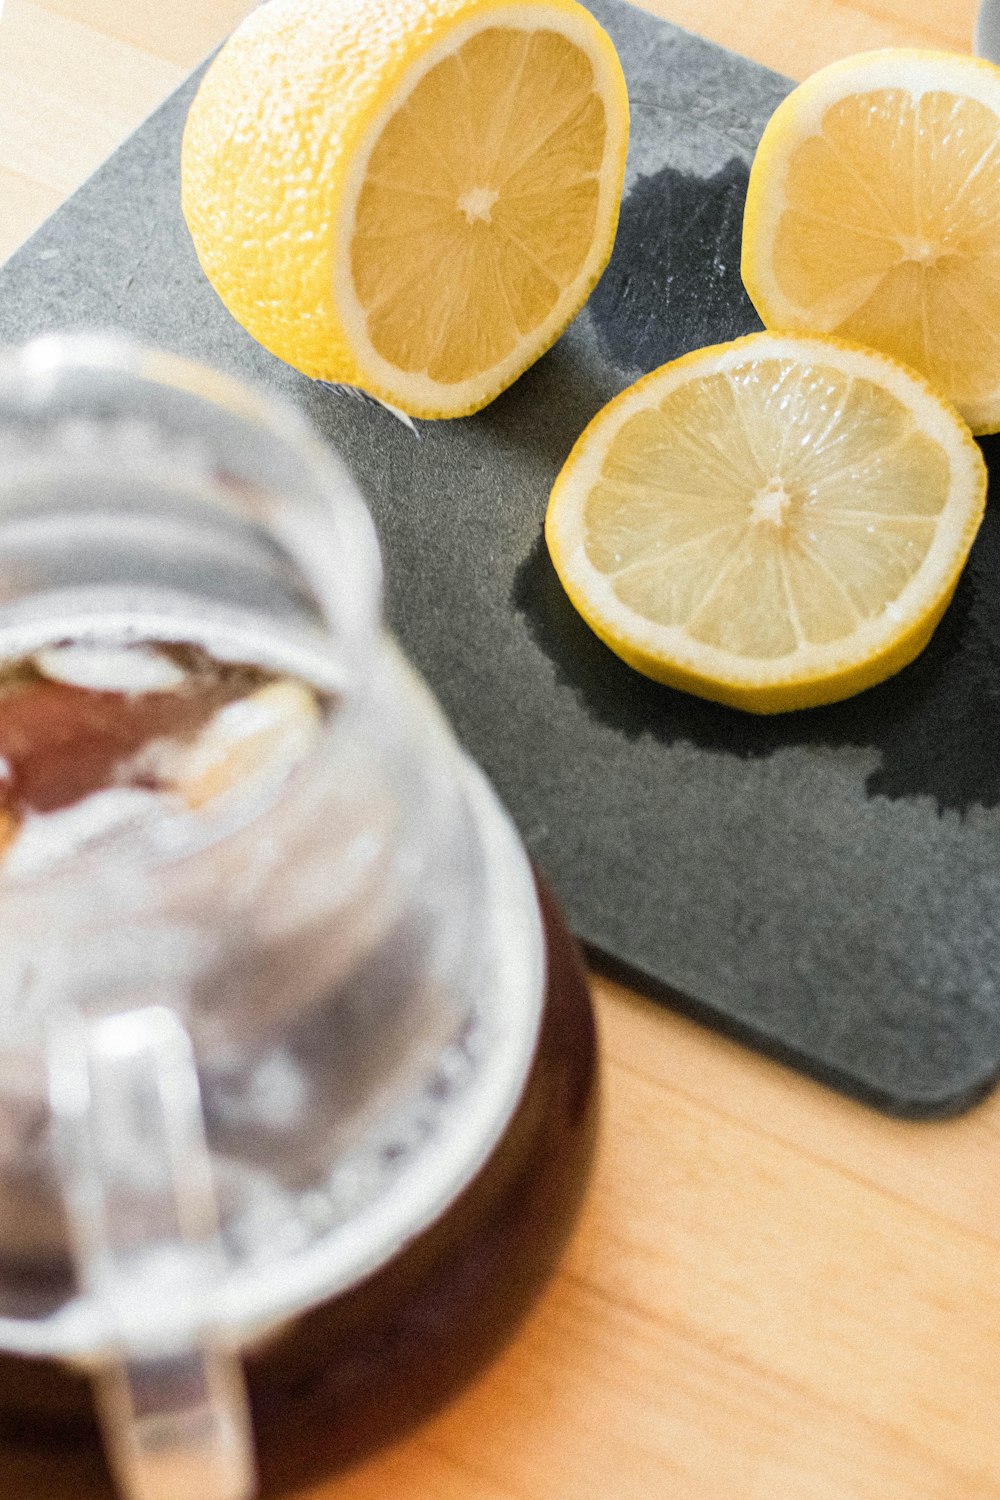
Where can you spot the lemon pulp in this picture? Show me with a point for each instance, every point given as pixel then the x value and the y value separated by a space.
pixel 479 202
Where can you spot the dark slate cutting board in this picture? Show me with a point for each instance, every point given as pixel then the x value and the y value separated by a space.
pixel 825 885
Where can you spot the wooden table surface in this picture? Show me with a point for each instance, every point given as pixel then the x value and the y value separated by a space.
pixel 773 1293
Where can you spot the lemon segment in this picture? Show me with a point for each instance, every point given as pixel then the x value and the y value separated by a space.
pixel 412 197
pixel 873 213
pixel 773 523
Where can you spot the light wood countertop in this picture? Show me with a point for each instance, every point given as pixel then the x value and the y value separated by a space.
pixel 774 1293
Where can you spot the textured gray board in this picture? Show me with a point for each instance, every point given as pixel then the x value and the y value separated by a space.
pixel 824 885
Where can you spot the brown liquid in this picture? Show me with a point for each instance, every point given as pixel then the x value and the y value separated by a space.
pixel 358 1371
pixel 214 728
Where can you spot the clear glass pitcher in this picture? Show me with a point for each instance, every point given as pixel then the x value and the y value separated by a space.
pixel 250 1044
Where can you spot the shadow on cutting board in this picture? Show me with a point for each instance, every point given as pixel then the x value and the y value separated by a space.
pixel 936 725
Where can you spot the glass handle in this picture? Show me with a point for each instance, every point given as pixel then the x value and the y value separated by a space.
pixel 137 1185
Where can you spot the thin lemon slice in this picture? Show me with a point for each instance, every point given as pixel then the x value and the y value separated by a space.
pixel 873 213
pixel 412 197
pixel 772 523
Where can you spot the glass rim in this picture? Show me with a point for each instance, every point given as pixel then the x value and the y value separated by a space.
pixel 111 352
pixel 77 351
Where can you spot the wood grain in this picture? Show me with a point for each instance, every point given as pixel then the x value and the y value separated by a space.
pixel 774 1294
pixel 796 37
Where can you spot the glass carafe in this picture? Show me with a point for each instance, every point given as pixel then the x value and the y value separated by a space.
pixel 257 1056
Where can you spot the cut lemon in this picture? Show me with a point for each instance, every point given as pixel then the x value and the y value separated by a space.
pixel 772 523
pixel 873 212
pixel 410 196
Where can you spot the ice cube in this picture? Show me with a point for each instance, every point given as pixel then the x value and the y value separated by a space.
pixel 252 744
pixel 45 840
pixel 110 669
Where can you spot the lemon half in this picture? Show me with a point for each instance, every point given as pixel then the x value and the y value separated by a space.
pixel 873 213
pixel 410 196
pixel 773 523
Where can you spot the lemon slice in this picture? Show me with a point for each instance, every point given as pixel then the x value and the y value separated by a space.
pixel 873 212
pixel 772 523
pixel 412 197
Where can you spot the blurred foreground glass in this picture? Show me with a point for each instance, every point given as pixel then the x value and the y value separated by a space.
pixel 296 1069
